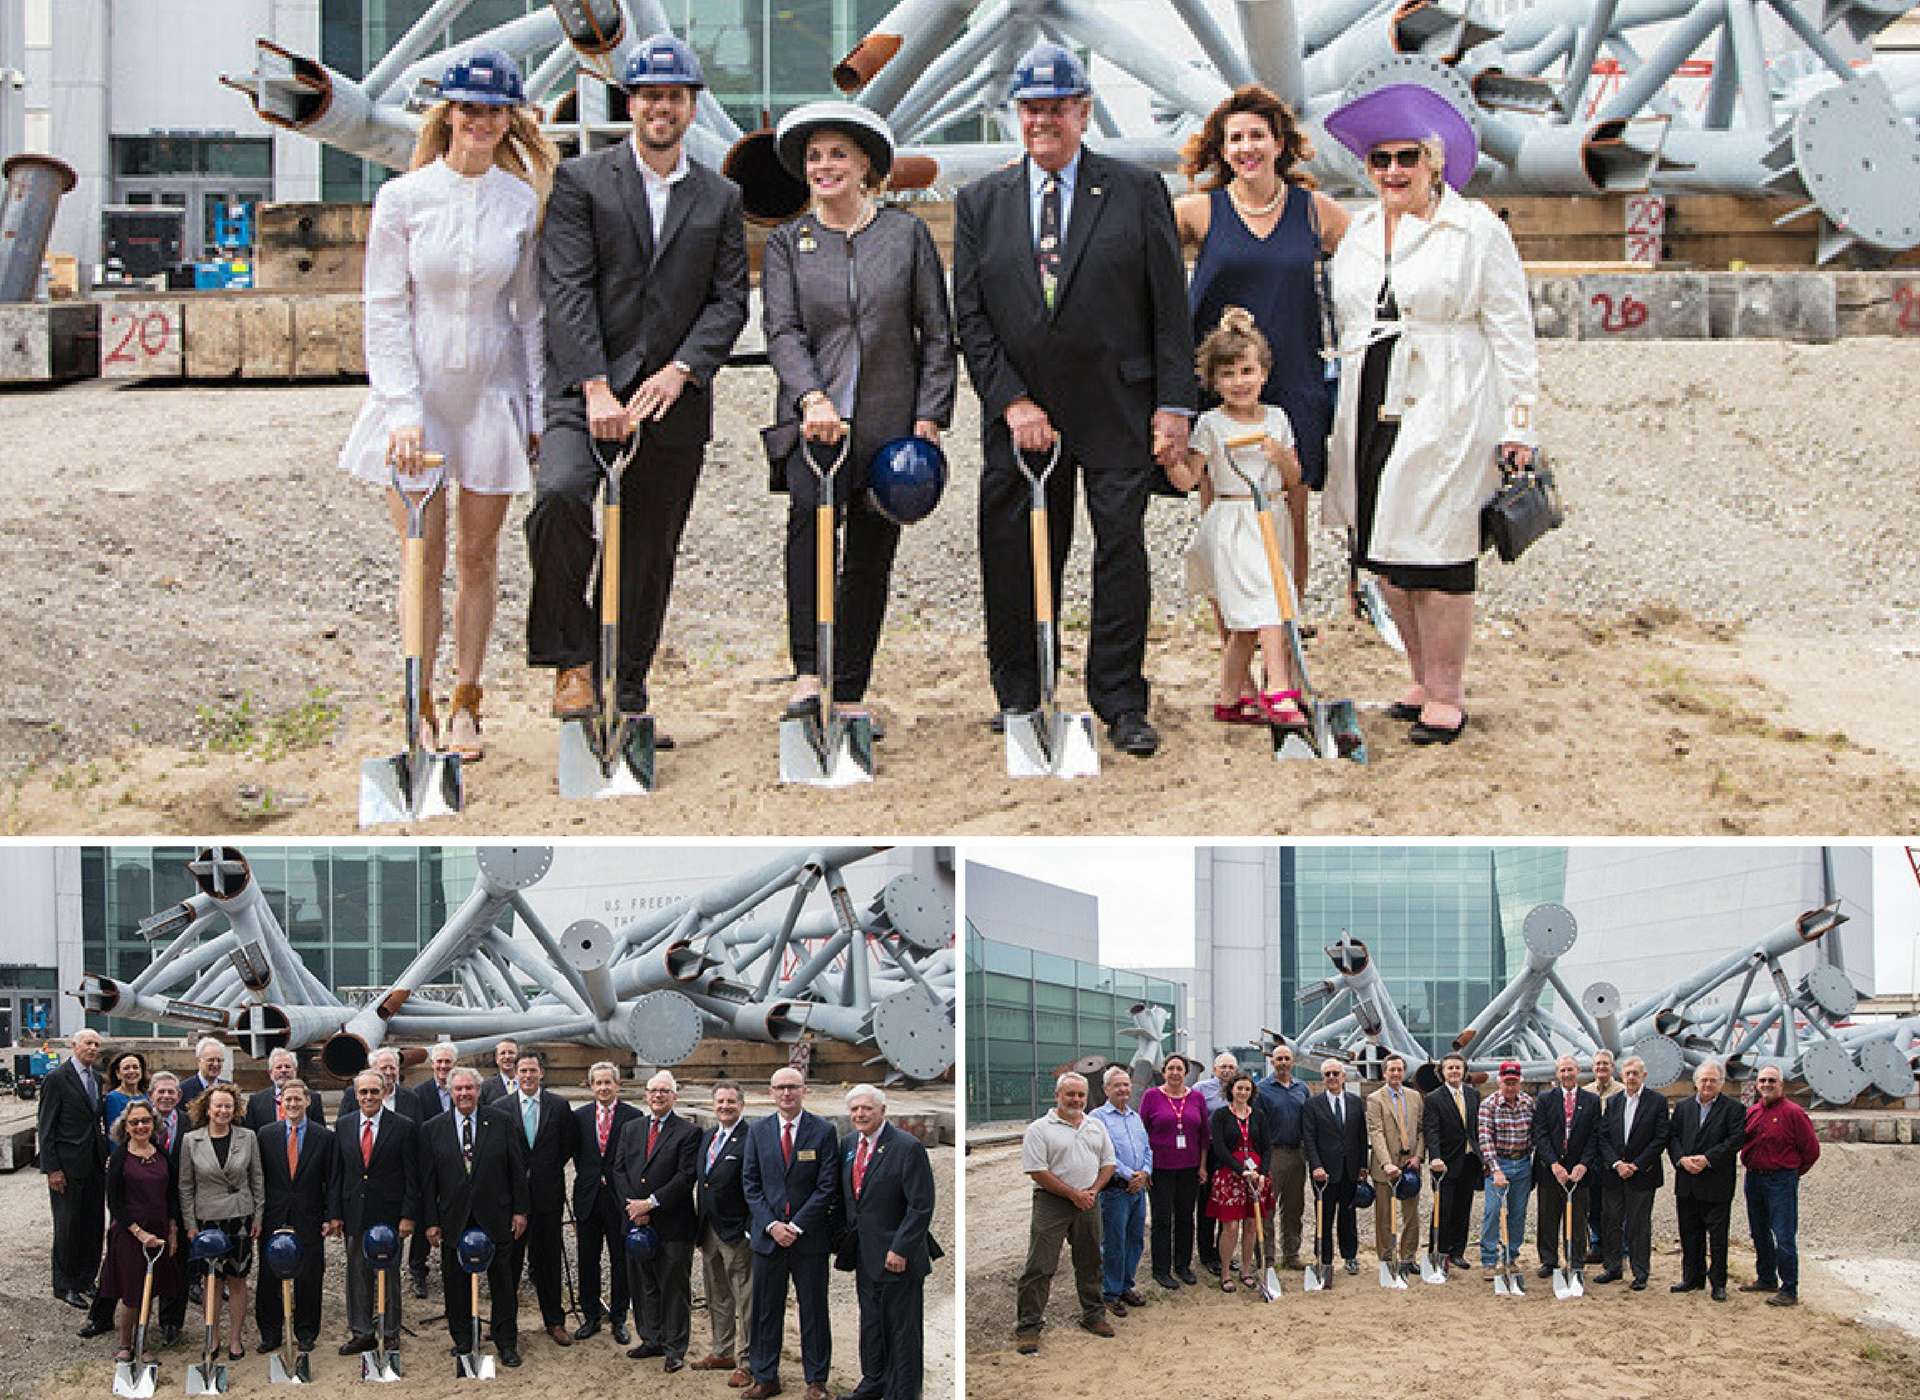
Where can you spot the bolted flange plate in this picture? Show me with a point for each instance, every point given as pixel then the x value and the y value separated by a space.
pixel 1665 1063
pixel 919 911
pixel 515 867
pixel 1860 160
pixel 1831 989
pixel 1600 999
pixel 915 1035
pixel 1831 1073
pixel 1887 1068
pixel 587 944
pixel 664 1028
pixel 1550 930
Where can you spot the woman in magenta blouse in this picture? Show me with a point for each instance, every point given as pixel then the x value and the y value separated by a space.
pixel 1176 1121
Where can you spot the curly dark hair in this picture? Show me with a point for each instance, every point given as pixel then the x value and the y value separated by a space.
pixel 1205 153
pixel 113 1070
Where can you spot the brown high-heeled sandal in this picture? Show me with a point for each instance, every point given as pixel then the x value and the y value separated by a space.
pixel 467 698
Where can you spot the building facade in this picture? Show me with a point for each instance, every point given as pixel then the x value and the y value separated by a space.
pixel 1026 913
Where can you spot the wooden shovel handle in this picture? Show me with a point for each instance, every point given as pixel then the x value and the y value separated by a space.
pixel 413 605
pixel 1042 568
pixel 823 559
pixel 1246 440
pixel 610 566
pixel 1282 589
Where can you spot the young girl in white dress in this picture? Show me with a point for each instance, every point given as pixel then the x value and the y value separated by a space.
pixel 1227 561
pixel 454 347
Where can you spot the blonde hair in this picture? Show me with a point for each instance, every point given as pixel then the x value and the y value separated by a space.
pixel 1236 335
pixel 522 152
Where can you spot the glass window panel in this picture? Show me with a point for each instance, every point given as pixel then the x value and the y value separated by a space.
pixel 1004 957
pixel 350 966
pixel 248 159
pixel 1051 997
pixel 1051 967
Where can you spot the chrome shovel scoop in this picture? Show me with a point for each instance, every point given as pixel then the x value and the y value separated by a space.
pixel 1045 742
pixel 825 749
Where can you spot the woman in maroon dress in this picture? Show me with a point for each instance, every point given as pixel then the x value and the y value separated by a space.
pixel 1237 1148
pixel 143 1209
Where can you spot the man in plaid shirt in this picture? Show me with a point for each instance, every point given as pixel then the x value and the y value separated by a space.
pixel 1506 1147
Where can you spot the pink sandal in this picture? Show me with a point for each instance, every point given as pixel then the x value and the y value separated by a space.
pixel 1245 710
pixel 1282 707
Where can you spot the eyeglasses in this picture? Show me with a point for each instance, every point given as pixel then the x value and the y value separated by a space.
pixel 477 111
pixel 1407 157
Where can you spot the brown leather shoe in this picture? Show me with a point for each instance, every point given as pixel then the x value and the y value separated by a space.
pixel 818 1392
pixel 1099 1326
pixel 559 1335
pixel 1026 1343
pixel 713 1361
pixel 757 1391
pixel 740 1379
pixel 573 696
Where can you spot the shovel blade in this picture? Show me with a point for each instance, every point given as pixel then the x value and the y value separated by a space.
pixel 836 754
pixel 1342 721
pixel 135 1380
pixel 1315 1281
pixel 1390 1277
pixel 279 1374
pixel 475 1366
pixel 1500 1285
pixel 379 1366
pixel 1056 745
pixel 1270 1285
pixel 410 788
pixel 587 774
pixel 1430 1271
pixel 206 1380
pixel 1374 605
pixel 1515 1285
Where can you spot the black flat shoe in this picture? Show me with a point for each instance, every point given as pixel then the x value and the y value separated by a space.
pixel 1186 1276
pixel 1405 713
pixel 620 1334
pixel 1424 733
pixel 1131 733
pixel 807 707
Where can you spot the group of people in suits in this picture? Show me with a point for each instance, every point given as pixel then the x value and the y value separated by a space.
pixel 773 1207
pixel 1597 1154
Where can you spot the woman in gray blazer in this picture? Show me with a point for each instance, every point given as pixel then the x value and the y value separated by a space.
pixel 859 332
pixel 222 1187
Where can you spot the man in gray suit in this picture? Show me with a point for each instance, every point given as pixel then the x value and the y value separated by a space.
pixel 643 268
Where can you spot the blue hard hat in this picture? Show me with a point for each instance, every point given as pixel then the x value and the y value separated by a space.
pixel 1362 1194
pixel 380 1244
pixel 485 75
pixel 641 1241
pixel 662 61
pixel 476 1250
pixel 1048 70
pixel 905 478
pixel 1408 1186
pixel 283 1253
pixel 211 1244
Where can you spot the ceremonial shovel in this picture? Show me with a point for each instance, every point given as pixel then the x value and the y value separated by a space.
pixel 380 1364
pixel 1567 1282
pixel 1431 1269
pixel 1045 742
pixel 1368 601
pixel 1506 1279
pixel 1317 1271
pixel 208 1378
pixel 287 1366
pixel 1390 1272
pixel 1270 1279
pixel 134 1379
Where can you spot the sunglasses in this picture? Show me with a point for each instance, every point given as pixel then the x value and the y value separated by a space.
pixel 1407 158
pixel 476 111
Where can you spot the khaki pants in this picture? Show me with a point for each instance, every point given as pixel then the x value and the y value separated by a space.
pixel 1409 1217
pixel 1288 1168
pixel 1057 1222
pixel 728 1270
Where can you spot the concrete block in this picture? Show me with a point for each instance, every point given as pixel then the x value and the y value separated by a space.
pixel 18 1147
pixel 1878 303
pixel 142 340
pixel 1883 1130
pixel 316 337
pixel 212 337
pixel 266 338
pixel 47 342
pixel 1556 307
pixel 1651 306
pixel 1772 306
pixel 1903 1130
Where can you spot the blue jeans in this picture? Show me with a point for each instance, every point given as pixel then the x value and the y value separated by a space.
pixel 1773 1218
pixel 1123 1234
pixel 1513 1198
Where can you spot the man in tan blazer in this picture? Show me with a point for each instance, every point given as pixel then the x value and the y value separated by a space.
pixel 1395 1139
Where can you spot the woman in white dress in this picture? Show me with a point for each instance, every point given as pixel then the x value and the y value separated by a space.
pixel 454 349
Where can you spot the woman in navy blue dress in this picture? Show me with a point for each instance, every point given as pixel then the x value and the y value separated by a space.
pixel 1260 229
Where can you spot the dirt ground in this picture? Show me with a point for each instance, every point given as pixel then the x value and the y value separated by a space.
pixel 40 1359
pixel 1843 1340
pixel 200 634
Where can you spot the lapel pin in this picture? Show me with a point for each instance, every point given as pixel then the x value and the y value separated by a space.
pixel 1094 190
pixel 805 241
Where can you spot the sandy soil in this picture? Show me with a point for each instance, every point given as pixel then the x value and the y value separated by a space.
pixel 41 1360
pixel 1656 1344
pixel 200 634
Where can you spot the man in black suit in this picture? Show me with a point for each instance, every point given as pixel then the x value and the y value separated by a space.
pixel 73 1157
pixel 379 1185
pixel 302 1195
pixel 503 1083
pixel 546 1123
pixel 211 1056
pixel 1070 299
pixel 599 1212
pixel 1333 1128
pixel 643 264
pixel 792 1186
pixel 1633 1135
pixel 1566 1148
pixel 473 1174
pixel 423 1103
pixel 263 1106
pixel 886 1203
pixel 720 1203
pixel 170 1125
pixel 1708 1132
pixel 1451 1126
pixel 654 1169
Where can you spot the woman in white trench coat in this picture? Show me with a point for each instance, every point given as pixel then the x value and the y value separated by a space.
pixel 454 349
pixel 1437 384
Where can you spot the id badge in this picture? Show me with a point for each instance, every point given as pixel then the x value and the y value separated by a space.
pixel 1180 1141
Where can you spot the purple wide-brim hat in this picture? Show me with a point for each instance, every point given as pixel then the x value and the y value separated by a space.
pixel 1407 112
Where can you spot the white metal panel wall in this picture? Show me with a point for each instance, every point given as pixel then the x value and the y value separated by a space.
pixel 1027 913
pixel 1241 947
pixel 166 61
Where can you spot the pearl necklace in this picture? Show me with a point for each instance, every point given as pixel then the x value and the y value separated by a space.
pixel 868 209
pixel 1260 211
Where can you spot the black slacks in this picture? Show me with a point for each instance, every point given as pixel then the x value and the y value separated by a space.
pixel 1336 1214
pixel 808 1272
pixel 1554 1203
pixel 866 571
pixel 605 1225
pixel 1170 1200
pixel 419 1255
pixel 1117 492
pixel 1703 1233
pixel 1454 1201
pixel 79 1229
pixel 891 1341
pixel 563 621
pixel 540 1243
pixel 1629 1212
pixel 502 1297
pixel 662 1287
pixel 309 1285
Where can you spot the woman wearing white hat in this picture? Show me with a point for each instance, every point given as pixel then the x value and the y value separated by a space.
pixel 1438 382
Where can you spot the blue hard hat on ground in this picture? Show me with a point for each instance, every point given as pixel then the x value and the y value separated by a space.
pixel 1408 1186
pixel 1049 70
pixel 905 478
pixel 487 76
pixel 1362 1194
pixel 211 1244
pixel 283 1253
pixel 662 61
pixel 476 1250
pixel 642 1241
pixel 380 1245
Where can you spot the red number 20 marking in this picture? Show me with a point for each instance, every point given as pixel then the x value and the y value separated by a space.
pixel 152 331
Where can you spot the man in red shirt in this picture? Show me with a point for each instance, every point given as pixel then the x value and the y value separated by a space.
pixel 1781 1148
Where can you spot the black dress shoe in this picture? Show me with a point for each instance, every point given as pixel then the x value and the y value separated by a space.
pixel 1686 1287
pixel 1719 1294
pixel 674 1363
pixel 589 1328
pixel 1609 1276
pixel 1639 1285
pixel 1353 1266
pixel 1186 1276
pixel 644 1350
pixel 1131 733
pixel 96 1327
pixel 169 1336
pixel 620 1333
pixel 74 1298
pixel 419 1285
pixel 1424 733
pixel 353 1346
pixel 1545 1271
pixel 1166 1281
pixel 509 1357
pixel 269 1342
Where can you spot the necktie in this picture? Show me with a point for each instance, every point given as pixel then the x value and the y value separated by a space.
pixel 293 1152
pixel 366 1143
pixel 166 1131
pixel 653 1134
pixel 1569 1132
pixel 713 1148
pixel 786 1144
pixel 602 1127
pixel 530 1118
pixel 859 1168
pixel 1047 252
pixel 1460 1106
pixel 279 1108
pixel 466 1141
pixel 93 1086
pixel 1339 1110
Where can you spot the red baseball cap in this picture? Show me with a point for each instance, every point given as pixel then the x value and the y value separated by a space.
pixel 1509 1069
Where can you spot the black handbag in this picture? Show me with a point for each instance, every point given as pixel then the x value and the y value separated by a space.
pixel 1524 508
